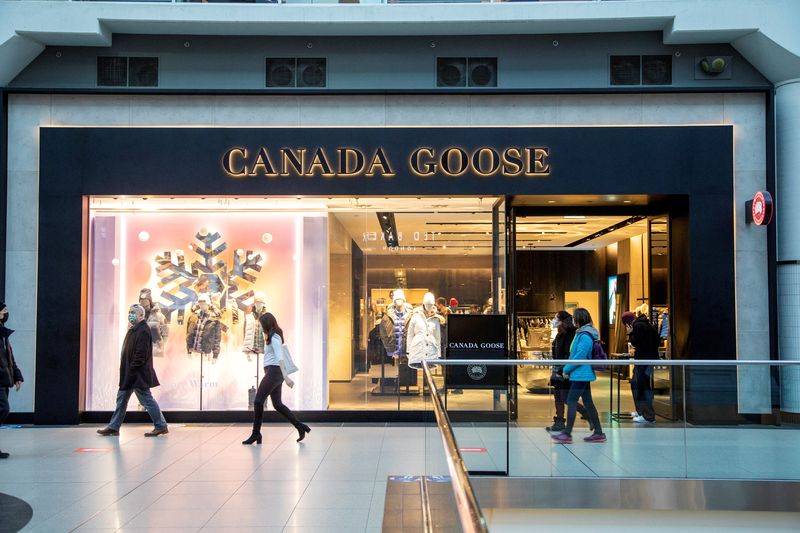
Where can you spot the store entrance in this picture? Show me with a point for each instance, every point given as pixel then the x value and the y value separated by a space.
pixel 607 262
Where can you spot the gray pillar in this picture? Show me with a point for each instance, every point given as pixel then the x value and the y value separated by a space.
pixel 787 143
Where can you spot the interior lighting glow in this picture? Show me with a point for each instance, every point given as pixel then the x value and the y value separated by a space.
pixel 266 238
pixel 574 216
pixel 144 236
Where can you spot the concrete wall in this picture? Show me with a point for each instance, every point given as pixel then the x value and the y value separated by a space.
pixel 28 112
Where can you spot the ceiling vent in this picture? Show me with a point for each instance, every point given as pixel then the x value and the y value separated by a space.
pixel 625 70
pixel 657 70
pixel 297 72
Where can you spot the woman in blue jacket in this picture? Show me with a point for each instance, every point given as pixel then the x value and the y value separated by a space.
pixel 580 378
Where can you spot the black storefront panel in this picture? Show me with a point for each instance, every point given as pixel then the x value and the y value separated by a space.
pixel 693 163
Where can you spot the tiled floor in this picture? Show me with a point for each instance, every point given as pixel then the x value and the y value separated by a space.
pixel 201 478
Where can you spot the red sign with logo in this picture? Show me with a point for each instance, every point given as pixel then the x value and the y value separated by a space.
pixel 762 208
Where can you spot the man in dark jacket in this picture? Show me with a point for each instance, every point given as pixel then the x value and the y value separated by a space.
pixel 10 376
pixel 136 375
pixel 645 340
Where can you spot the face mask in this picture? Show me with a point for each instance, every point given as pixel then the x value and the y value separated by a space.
pixel 204 307
pixel 132 318
pixel 554 323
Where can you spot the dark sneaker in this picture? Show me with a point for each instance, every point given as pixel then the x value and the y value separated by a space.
pixel 562 438
pixel 558 426
pixel 108 432
pixel 156 432
pixel 4 455
pixel 595 437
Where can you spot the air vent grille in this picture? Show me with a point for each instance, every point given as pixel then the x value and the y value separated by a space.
pixel 625 70
pixel 640 70
pixel 466 72
pixel 114 71
pixel 657 70
pixel 311 72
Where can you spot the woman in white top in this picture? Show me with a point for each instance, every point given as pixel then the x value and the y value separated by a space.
pixel 272 382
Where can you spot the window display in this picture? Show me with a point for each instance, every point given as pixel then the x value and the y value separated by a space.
pixel 352 281
pixel 203 275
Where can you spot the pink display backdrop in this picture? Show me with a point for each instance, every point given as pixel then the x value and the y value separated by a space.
pixel 119 238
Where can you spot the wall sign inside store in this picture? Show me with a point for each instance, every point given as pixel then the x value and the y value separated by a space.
pixel 239 162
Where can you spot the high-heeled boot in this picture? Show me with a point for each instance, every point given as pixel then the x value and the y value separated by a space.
pixel 255 437
pixel 302 429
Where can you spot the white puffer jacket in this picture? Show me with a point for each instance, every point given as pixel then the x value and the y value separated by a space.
pixel 424 337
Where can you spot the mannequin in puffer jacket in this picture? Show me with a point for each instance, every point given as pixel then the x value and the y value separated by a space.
pixel 424 336
pixel 204 329
pixel 394 324
pixel 253 334
pixel 159 329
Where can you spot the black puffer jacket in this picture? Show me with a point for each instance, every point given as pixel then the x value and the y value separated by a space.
pixel 560 350
pixel 9 371
pixel 645 339
pixel 136 364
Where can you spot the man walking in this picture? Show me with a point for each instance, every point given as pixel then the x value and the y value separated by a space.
pixel 10 376
pixel 644 338
pixel 136 375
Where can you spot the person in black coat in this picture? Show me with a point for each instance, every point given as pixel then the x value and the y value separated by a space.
pixel 645 340
pixel 10 375
pixel 560 350
pixel 137 375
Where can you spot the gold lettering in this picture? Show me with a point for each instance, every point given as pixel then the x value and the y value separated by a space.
pixel 380 160
pixel 262 161
pixel 429 166
pixel 320 162
pixel 536 162
pixel 494 161
pixel 229 160
pixel 463 161
pixel 297 161
pixel 512 162
pixel 345 169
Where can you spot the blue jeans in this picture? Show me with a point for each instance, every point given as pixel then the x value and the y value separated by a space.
pixel 146 399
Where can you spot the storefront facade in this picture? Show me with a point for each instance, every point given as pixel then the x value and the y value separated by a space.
pixel 90 178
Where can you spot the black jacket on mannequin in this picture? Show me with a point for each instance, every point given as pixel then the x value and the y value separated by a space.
pixel 136 364
pixel 645 339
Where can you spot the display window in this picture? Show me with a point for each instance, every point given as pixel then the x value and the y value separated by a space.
pixel 362 288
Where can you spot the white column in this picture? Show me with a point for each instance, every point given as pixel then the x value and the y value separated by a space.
pixel 787 142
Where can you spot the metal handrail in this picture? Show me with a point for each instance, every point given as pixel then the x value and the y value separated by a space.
pixel 611 362
pixel 469 512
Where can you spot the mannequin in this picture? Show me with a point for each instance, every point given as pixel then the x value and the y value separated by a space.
pixel 159 329
pixel 204 329
pixel 393 324
pixel 253 334
pixel 424 339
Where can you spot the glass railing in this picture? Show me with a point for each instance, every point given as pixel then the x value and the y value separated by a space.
pixel 328 2
pixel 655 419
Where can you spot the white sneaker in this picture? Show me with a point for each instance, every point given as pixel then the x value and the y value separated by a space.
pixel 634 414
pixel 639 419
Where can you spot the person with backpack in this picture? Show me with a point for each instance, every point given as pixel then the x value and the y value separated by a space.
pixel 585 346
pixel 565 329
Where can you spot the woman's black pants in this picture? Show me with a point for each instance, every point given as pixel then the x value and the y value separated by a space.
pixel 271 385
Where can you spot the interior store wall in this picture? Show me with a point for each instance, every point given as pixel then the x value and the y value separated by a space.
pixel 340 307
pixel 28 112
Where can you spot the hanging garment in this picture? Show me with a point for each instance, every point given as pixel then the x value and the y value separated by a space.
pixel 253 334
pixel 204 332
pixel 393 328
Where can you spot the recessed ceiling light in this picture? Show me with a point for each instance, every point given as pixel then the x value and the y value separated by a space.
pixel 551 201
pixel 574 216
pixel 626 201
